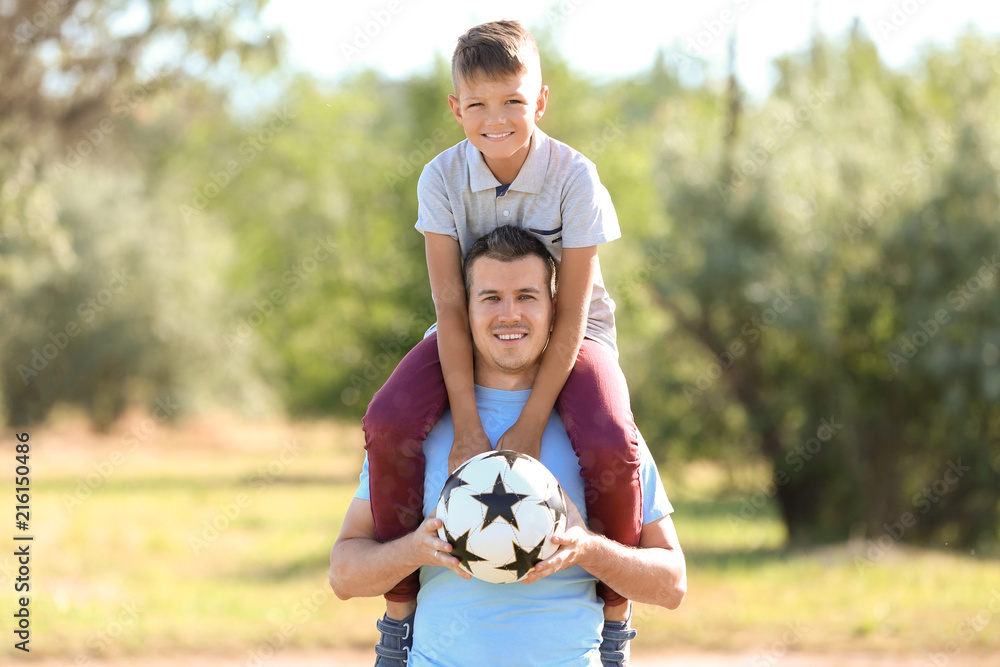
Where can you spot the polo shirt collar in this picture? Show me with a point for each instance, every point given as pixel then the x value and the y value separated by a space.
pixel 530 179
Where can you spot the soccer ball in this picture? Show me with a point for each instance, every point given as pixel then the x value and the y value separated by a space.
pixel 500 510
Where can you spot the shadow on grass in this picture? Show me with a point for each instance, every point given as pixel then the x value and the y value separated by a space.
pixel 306 567
pixel 720 508
pixel 736 559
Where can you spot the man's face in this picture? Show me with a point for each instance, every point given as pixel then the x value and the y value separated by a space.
pixel 499 118
pixel 511 315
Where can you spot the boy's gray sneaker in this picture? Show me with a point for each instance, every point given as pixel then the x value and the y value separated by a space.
pixel 393 648
pixel 614 643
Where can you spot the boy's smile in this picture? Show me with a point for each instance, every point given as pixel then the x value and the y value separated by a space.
pixel 499 118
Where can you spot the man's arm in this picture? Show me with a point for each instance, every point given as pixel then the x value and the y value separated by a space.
pixel 361 566
pixel 654 573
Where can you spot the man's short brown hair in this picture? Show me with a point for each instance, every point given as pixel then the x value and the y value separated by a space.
pixel 495 50
pixel 508 244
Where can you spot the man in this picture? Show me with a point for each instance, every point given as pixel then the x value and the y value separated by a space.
pixel 555 617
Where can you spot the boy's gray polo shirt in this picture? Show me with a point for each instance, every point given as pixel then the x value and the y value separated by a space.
pixel 557 196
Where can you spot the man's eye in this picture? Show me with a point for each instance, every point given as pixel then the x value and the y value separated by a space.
pixel 528 296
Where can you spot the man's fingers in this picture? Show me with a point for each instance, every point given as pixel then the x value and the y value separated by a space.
pixel 451 563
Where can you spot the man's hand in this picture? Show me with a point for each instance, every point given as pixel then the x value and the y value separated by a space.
pixel 574 547
pixel 522 438
pixel 429 549
pixel 467 444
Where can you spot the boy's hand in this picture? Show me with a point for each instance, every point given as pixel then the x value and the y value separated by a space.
pixel 466 445
pixel 524 439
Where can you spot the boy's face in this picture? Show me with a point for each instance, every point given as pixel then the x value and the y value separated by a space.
pixel 499 118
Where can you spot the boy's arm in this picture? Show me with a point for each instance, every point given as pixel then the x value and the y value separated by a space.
pixel 361 566
pixel 444 266
pixel 576 282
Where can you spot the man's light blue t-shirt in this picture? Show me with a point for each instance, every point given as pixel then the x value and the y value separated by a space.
pixel 554 621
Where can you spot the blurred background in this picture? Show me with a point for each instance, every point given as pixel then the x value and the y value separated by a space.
pixel 207 255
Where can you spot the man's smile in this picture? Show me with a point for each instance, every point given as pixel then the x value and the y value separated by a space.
pixel 517 335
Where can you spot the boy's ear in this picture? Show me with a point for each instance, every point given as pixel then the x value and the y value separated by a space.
pixel 541 102
pixel 456 107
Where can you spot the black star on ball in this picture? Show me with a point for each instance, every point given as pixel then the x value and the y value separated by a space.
pixel 453 483
pixel 523 560
pixel 460 549
pixel 557 503
pixel 499 503
pixel 510 456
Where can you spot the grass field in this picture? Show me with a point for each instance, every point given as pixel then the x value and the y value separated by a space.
pixel 214 538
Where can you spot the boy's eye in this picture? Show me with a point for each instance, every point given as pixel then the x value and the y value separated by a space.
pixel 515 102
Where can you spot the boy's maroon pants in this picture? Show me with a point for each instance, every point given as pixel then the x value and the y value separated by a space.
pixel 594 406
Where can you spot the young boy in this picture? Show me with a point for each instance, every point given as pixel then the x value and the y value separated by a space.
pixel 508 171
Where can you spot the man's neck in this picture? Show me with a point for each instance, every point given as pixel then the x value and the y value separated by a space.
pixel 497 379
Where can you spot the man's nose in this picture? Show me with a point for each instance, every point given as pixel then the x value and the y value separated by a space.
pixel 509 312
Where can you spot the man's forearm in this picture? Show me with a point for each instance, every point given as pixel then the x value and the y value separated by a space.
pixel 654 576
pixel 362 567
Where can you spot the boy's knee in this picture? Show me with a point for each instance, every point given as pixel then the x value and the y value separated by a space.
pixel 378 416
pixel 609 463
pixel 608 443
pixel 614 469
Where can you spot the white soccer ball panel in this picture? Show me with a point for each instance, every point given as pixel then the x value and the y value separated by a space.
pixel 501 533
pixel 489 573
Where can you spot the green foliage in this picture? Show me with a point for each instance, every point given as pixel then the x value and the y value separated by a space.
pixel 105 300
pixel 809 279
pixel 824 255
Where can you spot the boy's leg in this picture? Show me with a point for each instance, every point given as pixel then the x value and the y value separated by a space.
pixel 594 406
pixel 399 417
pixel 615 637
pixel 395 641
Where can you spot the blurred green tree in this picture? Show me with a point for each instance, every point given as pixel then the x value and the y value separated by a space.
pixel 83 85
pixel 826 244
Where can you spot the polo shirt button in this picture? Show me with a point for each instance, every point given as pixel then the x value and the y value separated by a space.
pixel 506 213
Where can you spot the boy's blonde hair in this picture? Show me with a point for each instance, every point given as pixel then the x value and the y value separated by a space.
pixel 495 50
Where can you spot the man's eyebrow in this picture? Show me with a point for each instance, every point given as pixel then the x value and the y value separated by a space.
pixel 521 290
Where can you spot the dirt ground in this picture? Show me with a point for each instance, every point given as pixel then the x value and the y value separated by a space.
pixel 353 658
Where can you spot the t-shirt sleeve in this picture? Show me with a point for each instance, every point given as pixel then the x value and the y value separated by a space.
pixel 655 504
pixel 588 215
pixel 434 211
pixel 363 492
